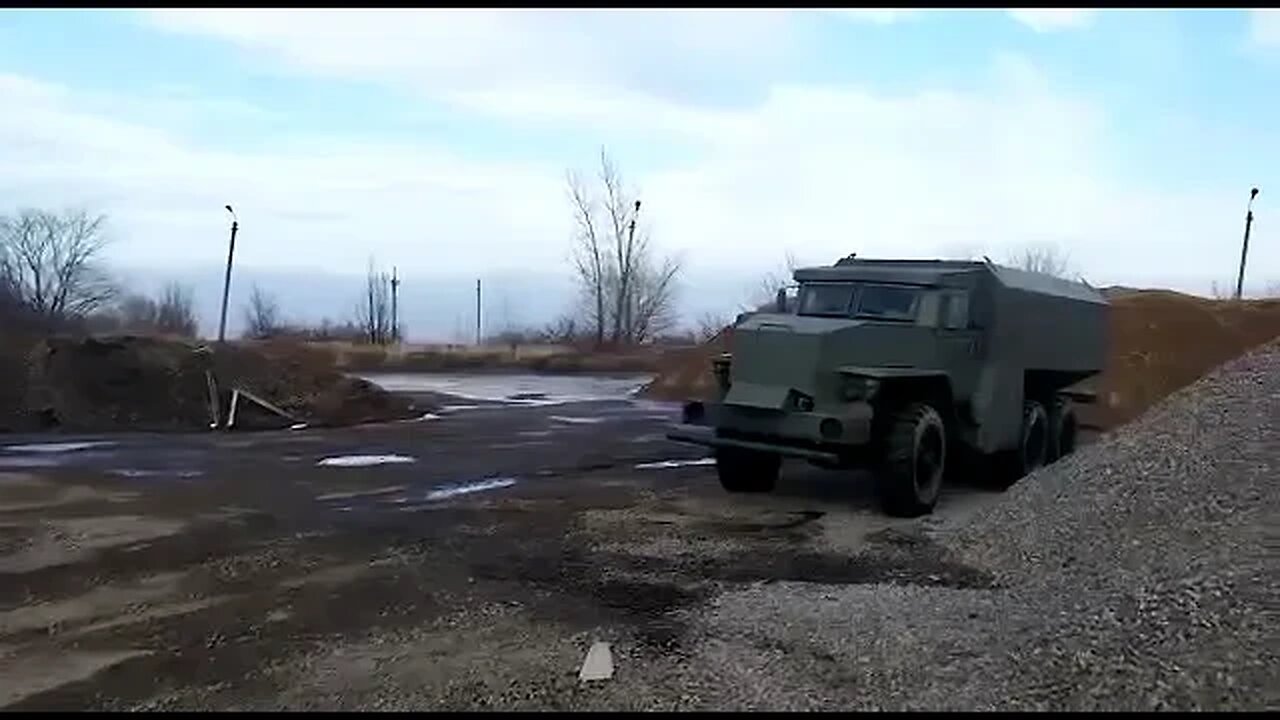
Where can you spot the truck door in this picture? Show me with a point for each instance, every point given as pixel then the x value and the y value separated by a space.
pixel 959 343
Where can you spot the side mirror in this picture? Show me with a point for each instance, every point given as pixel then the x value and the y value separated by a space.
pixel 780 301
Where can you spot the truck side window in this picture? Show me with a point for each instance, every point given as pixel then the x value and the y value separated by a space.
pixel 943 301
pixel 957 311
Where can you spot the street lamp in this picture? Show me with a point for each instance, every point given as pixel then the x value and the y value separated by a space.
pixel 1244 251
pixel 226 283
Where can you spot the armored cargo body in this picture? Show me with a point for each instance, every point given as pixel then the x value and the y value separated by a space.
pixel 904 366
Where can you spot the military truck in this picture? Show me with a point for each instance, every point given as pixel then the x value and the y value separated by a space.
pixel 911 368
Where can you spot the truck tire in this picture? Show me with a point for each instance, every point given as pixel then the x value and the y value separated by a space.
pixel 1063 429
pixel 1032 452
pixel 915 460
pixel 747 471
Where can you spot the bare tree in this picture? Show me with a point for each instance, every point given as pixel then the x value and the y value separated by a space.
pixel 1273 290
pixel 49 262
pixel 651 300
pixel 175 311
pixel 629 291
pixel 262 315
pixel 373 314
pixel 133 313
pixel 563 329
pixel 709 325
pixel 170 313
pixel 1046 259
pixel 762 296
pixel 589 255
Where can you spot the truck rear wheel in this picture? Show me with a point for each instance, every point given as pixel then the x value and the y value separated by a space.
pixel 747 471
pixel 1032 452
pixel 1063 429
pixel 915 459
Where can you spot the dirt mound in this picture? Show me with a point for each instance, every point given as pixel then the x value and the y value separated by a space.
pixel 686 374
pixel 1160 341
pixel 143 383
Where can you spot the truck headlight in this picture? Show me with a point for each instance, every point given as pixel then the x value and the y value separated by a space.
pixel 856 387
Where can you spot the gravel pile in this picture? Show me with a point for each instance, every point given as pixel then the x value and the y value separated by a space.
pixel 1139 574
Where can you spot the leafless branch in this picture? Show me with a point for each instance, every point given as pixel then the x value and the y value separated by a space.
pixel 49 262
pixel 373 314
pixel 628 292
pixel 1046 259
pixel 262 315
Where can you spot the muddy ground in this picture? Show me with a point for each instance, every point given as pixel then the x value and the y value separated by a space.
pixel 232 571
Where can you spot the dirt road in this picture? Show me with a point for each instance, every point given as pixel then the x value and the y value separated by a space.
pixel 239 571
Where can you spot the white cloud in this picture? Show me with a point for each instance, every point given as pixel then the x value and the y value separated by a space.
pixel 666 53
pixel 325 202
pixel 1264 27
pixel 822 170
pixel 1054 19
pixel 1040 20
pixel 878 16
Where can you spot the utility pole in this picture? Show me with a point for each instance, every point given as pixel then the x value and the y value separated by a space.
pixel 395 307
pixel 1244 251
pixel 226 283
pixel 477 312
pixel 626 301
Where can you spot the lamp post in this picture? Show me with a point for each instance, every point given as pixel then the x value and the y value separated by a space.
pixel 226 283
pixel 1244 251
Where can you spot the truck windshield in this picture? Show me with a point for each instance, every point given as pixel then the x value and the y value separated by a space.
pixel 873 302
pixel 887 302
pixel 826 299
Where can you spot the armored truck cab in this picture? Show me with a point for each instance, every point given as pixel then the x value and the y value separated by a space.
pixel 904 366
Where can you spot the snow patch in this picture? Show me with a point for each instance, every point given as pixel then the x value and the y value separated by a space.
pixel 668 464
pixel 576 420
pixel 62 447
pixel 448 491
pixel 457 408
pixel 136 473
pixel 364 460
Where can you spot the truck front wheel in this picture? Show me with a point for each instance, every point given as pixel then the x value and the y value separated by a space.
pixel 747 471
pixel 915 456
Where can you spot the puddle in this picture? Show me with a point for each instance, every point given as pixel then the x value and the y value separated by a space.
pixel 535 433
pixel 648 438
pixel 364 460
pixel 518 445
pixel 457 408
pixel 22 461
pixel 449 491
pixel 572 420
pixel 523 389
pixel 359 493
pixel 668 464
pixel 136 474
pixel 57 447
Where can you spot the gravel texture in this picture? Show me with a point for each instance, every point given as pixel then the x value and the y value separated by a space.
pixel 1138 574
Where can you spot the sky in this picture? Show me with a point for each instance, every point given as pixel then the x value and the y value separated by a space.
pixel 438 141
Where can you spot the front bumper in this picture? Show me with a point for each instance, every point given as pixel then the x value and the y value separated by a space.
pixel 696 435
pixel 823 436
